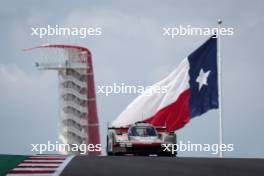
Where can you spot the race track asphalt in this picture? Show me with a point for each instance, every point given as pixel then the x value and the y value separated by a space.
pixel 161 166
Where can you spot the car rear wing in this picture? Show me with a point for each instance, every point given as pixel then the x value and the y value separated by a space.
pixel 161 129
pixel 118 128
pixel 123 129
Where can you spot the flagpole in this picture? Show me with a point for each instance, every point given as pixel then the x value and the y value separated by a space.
pixel 219 64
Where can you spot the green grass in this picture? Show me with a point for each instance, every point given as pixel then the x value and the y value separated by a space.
pixel 8 162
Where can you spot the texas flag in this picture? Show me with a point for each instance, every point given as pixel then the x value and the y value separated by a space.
pixel 191 90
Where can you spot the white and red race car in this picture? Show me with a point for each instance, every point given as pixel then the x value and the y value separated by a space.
pixel 139 139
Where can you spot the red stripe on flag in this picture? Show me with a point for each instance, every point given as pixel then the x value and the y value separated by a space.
pixel 175 115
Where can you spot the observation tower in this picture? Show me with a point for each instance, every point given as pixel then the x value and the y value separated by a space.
pixel 77 100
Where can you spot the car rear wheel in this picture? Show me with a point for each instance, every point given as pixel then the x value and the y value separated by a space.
pixel 107 148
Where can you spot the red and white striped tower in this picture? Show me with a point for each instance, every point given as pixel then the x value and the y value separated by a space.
pixel 78 112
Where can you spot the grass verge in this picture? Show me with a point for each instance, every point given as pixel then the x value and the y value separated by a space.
pixel 8 162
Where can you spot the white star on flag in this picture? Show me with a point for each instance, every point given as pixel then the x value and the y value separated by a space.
pixel 202 78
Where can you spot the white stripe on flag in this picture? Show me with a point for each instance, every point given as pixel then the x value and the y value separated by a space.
pixel 147 105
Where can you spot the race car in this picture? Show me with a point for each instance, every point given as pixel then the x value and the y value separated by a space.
pixel 139 139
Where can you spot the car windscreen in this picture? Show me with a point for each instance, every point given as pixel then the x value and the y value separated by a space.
pixel 142 131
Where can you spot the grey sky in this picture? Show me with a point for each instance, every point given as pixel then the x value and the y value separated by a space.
pixel 131 50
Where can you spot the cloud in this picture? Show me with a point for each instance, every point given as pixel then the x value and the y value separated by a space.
pixel 28 108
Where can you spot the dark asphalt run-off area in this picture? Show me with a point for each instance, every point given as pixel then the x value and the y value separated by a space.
pixel 159 166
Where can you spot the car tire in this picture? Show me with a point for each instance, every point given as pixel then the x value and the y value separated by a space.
pixel 107 148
